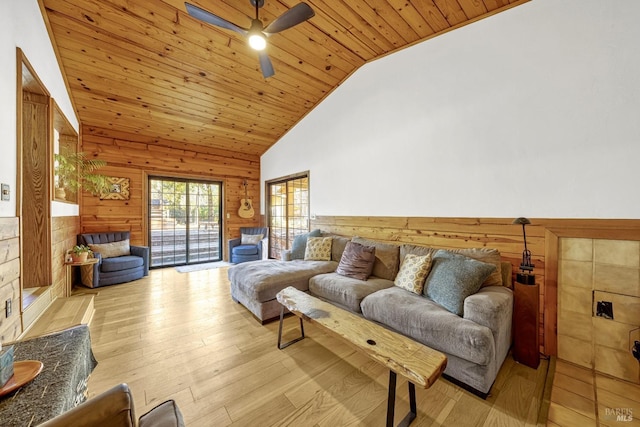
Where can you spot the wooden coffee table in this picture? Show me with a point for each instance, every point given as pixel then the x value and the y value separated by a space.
pixel 419 364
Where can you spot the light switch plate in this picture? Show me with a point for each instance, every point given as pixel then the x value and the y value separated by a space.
pixel 5 192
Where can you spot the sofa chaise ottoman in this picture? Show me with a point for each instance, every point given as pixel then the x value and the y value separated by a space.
pixel 255 284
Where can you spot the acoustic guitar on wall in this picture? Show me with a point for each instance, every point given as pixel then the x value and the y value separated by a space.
pixel 246 209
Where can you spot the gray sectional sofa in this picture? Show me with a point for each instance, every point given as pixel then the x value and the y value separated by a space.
pixel 476 343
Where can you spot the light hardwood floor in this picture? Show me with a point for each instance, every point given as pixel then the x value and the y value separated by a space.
pixel 583 398
pixel 180 336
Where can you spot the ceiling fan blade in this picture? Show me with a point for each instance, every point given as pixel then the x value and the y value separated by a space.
pixel 294 16
pixel 265 65
pixel 212 19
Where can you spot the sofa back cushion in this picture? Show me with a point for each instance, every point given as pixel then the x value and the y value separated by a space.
pixel 357 261
pixel 407 248
pixel 387 260
pixel 108 237
pixel 337 247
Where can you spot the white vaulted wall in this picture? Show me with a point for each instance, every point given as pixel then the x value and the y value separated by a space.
pixel 534 111
pixel 21 25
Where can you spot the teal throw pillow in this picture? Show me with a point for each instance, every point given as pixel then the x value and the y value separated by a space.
pixel 453 278
pixel 299 245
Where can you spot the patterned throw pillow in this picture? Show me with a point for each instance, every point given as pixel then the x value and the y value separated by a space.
pixel 357 261
pixel 250 239
pixel 113 249
pixel 318 249
pixel 453 278
pixel 413 272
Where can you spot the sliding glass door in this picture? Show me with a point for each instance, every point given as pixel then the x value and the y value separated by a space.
pixel 288 211
pixel 184 221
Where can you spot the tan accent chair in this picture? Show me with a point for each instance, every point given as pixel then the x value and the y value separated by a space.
pixel 114 408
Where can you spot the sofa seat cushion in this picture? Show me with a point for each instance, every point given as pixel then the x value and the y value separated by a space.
pixel 121 263
pixel 345 291
pixel 121 276
pixel 245 250
pixel 425 321
pixel 262 280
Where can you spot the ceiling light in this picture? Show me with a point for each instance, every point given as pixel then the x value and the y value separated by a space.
pixel 257 38
pixel 257 41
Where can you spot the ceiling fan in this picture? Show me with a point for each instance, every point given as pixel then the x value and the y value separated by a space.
pixel 257 33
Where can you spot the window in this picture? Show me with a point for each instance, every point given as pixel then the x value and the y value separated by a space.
pixel 287 211
pixel 65 154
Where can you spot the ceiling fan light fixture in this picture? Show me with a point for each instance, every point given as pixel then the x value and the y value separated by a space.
pixel 257 41
pixel 256 37
pixel 257 34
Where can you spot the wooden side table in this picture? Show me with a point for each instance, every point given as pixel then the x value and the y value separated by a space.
pixel 526 347
pixel 69 273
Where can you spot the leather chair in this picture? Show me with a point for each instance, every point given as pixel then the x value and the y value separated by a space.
pixel 249 252
pixel 114 408
pixel 118 262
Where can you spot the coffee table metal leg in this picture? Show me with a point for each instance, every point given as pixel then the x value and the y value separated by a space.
pixel 391 398
pixel 391 402
pixel 287 344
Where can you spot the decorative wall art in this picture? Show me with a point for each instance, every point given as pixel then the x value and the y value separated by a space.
pixel 118 189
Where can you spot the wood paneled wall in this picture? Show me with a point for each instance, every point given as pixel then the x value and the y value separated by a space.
pixel 63 237
pixel 134 157
pixel 35 193
pixel 499 233
pixel 10 327
pixel 592 271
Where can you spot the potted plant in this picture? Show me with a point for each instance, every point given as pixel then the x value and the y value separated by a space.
pixel 80 253
pixel 74 171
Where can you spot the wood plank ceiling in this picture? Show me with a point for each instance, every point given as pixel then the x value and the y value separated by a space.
pixel 147 68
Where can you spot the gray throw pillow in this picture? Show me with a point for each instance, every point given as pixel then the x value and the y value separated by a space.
pixel 453 278
pixel 357 261
pixel 299 245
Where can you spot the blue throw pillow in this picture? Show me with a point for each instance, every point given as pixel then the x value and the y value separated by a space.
pixel 299 245
pixel 453 278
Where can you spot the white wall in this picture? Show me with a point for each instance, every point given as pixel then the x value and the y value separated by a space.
pixel 21 25
pixel 532 112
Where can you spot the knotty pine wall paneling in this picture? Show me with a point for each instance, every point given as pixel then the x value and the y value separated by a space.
pixel 10 327
pixel 500 233
pixel 63 237
pixel 129 155
pixel 35 190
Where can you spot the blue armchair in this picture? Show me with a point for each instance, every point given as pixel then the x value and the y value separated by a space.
pixel 249 252
pixel 118 261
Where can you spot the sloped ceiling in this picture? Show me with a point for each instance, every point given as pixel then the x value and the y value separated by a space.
pixel 148 68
